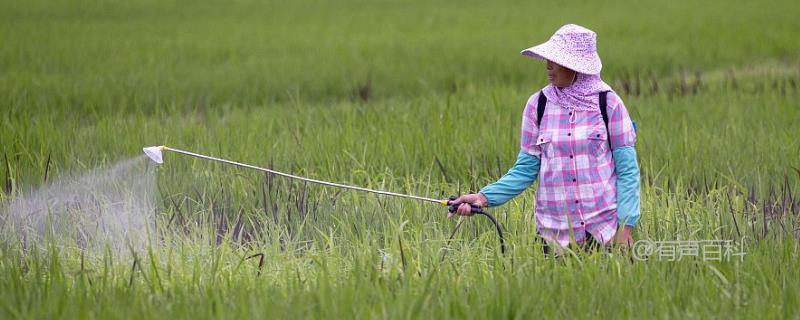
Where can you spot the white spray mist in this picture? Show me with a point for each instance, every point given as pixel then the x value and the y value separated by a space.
pixel 111 207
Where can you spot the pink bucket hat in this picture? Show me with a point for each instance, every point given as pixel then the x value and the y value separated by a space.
pixel 572 46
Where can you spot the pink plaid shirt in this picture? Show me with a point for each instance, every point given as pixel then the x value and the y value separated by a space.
pixel 577 181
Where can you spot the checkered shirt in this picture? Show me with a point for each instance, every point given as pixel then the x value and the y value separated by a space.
pixel 577 190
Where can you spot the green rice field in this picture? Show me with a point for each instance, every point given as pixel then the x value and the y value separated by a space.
pixel 417 97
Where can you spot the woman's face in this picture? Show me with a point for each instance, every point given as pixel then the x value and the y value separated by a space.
pixel 560 76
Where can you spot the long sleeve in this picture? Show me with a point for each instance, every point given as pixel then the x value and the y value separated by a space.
pixel 628 185
pixel 515 181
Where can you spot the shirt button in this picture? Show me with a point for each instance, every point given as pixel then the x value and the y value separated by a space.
pixel 583 223
pixel 598 136
pixel 576 201
pixel 570 113
pixel 569 134
pixel 570 156
pixel 574 180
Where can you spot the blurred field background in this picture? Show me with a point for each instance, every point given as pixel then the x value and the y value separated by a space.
pixel 421 97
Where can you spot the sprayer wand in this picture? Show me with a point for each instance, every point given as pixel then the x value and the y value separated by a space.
pixel 156 154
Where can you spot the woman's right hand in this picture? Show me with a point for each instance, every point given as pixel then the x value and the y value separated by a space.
pixel 465 203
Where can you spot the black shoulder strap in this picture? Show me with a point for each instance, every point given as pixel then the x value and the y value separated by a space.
pixel 604 113
pixel 540 108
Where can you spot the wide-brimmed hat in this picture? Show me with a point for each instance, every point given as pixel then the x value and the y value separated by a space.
pixel 572 46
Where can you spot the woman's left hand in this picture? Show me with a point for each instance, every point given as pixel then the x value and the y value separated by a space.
pixel 623 237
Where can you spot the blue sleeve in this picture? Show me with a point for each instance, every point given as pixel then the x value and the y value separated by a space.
pixel 628 185
pixel 516 180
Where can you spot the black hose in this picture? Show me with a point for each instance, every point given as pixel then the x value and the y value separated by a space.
pixel 478 210
pixel 499 231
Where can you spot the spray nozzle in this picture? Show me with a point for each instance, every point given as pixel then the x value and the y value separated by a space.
pixel 155 153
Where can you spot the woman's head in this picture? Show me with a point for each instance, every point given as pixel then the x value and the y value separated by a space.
pixel 573 67
pixel 559 75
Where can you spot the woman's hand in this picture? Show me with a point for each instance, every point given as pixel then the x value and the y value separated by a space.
pixel 464 204
pixel 624 237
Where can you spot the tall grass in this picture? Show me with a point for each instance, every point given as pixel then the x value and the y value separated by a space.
pixel 422 98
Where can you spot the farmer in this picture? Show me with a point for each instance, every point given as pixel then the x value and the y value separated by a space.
pixel 588 190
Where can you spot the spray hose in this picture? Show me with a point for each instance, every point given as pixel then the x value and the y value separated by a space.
pixel 478 210
pixel 156 154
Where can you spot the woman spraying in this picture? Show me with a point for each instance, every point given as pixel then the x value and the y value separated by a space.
pixel 578 139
